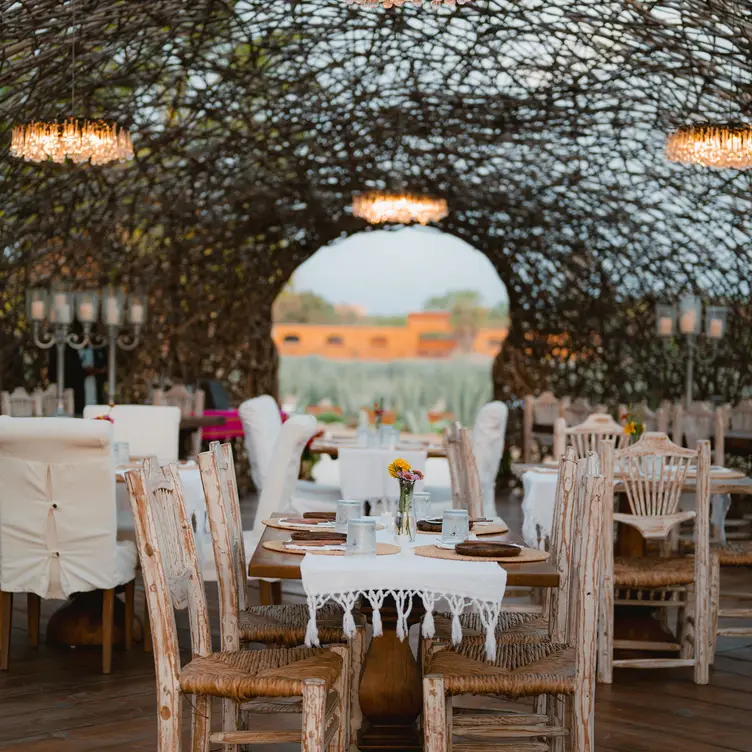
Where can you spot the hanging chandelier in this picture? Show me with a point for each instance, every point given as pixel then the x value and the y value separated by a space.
pixel 378 207
pixel 718 145
pixel 399 3
pixel 80 140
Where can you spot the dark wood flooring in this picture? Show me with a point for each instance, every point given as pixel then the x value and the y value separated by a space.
pixel 55 700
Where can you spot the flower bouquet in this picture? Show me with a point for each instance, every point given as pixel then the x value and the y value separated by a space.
pixel 405 522
pixel 633 426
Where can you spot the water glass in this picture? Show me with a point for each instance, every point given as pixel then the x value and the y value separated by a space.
pixel 347 509
pixel 422 505
pixel 361 435
pixel 361 536
pixel 455 526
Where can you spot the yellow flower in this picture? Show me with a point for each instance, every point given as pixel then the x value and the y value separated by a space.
pixel 630 428
pixel 397 466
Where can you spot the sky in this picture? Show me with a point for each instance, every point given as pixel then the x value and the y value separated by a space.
pixel 395 272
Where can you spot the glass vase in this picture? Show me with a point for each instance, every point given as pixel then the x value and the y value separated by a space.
pixel 404 521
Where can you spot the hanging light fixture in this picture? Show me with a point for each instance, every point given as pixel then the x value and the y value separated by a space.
pixel 718 145
pixel 97 141
pixel 377 207
pixel 399 3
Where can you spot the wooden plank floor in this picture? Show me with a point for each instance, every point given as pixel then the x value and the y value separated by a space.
pixel 55 700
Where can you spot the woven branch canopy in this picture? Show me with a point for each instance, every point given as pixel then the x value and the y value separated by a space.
pixel 542 123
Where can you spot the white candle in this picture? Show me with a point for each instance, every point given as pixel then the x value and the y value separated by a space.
pixel 64 314
pixel 137 313
pixel 112 312
pixel 37 310
pixel 86 311
pixel 688 321
pixel 715 329
pixel 665 326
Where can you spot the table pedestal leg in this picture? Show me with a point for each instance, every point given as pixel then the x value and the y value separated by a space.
pixel 391 689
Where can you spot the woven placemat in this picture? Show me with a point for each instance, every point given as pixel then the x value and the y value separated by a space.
pixel 282 526
pixel 382 549
pixel 526 556
pixel 493 529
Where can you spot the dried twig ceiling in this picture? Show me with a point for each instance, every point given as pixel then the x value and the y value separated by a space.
pixel 542 122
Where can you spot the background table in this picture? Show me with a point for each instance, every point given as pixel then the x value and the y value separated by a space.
pixel 407 442
pixel 391 677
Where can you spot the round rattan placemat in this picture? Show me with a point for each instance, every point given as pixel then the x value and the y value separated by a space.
pixel 526 556
pixel 382 549
pixel 494 529
pixel 307 528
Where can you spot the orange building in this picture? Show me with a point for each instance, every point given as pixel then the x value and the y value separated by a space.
pixel 428 334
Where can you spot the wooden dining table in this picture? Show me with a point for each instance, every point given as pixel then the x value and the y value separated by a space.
pixel 332 446
pixel 391 687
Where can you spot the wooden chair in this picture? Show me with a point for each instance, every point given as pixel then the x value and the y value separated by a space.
pixel 731 554
pixel 18 404
pixel 587 436
pixel 463 470
pixel 653 472
pixel 190 404
pixel 561 666
pixel 539 411
pixel 173 582
pixel 740 416
pixel 241 623
pixel 580 410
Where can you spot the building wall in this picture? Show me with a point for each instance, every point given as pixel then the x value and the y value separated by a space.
pixel 427 334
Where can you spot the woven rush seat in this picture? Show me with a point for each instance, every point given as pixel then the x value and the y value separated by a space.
pixel 653 572
pixel 519 670
pixel 734 554
pixel 259 673
pixel 513 626
pixel 286 625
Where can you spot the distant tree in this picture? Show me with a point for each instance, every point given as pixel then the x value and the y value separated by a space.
pixel 467 314
pixel 303 308
pixel 499 314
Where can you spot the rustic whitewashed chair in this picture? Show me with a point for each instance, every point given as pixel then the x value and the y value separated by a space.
pixel 653 472
pixel 580 410
pixel 539 411
pixel 191 404
pixel 262 423
pixel 241 623
pixel 45 402
pixel 740 416
pixel 254 680
pixel 587 436
pixel 149 430
pixel 560 666
pixel 463 470
pixel 57 522
pixel 18 404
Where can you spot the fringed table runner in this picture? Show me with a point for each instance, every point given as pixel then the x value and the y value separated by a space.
pixel 462 584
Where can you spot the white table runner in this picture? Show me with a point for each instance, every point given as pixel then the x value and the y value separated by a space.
pixel 462 584
pixel 363 472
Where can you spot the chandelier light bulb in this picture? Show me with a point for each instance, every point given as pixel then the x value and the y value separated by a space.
pixel 718 145
pixel 377 207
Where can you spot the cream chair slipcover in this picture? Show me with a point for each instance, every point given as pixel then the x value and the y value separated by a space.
pixel 488 447
pixel 149 430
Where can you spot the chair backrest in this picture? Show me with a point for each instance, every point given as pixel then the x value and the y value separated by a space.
pixel 170 568
pixel 18 404
pixel 45 402
pixel 587 436
pixel 149 430
pixel 546 408
pixel 580 410
pixel 261 425
pixel 284 468
pixel 488 447
pixel 741 416
pixel 223 505
pixel 463 470
pixel 58 522
pixel 697 423
pixel 190 403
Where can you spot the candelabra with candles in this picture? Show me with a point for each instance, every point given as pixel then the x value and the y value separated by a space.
pixel 52 314
pixel 689 315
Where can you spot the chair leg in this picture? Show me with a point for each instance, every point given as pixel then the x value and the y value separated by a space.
pixel 148 647
pixel 357 658
pixel 130 597
pixel 715 604
pixel 170 719
pixel 687 635
pixel 313 732
pixel 341 740
pixel 559 707
pixel 703 619
pixel 605 671
pixel 33 608
pixel 270 593
pixel 201 723
pixel 6 619
pixel 437 726
pixel 581 721
pixel 230 722
pixel 108 616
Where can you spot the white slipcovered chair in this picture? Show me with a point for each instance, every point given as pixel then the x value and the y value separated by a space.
pixel 262 424
pixel 18 403
pixel 149 430
pixel 191 404
pixel 57 521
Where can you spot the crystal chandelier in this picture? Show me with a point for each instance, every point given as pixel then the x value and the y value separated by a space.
pixel 78 140
pixel 400 3
pixel 97 141
pixel 712 145
pixel 377 207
